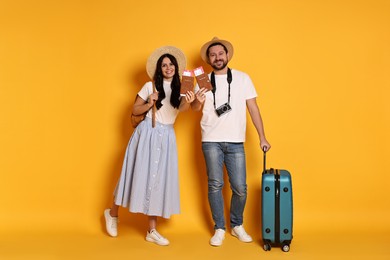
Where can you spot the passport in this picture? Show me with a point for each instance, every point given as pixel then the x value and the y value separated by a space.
pixel 202 78
pixel 187 82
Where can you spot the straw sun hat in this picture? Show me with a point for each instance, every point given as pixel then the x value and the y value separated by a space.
pixel 228 45
pixel 153 58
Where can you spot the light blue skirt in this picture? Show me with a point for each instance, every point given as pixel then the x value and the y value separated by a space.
pixel 149 181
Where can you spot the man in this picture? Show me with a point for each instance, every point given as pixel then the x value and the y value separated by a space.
pixel 223 126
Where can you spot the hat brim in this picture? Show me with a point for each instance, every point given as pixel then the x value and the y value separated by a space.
pixel 228 45
pixel 153 58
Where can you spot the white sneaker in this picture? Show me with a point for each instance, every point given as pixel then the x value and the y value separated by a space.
pixel 111 223
pixel 239 232
pixel 155 237
pixel 218 237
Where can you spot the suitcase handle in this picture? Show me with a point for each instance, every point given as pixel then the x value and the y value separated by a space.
pixel 264 159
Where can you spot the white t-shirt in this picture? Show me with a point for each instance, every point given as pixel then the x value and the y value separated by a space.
pixel 167 113
pixel 231 126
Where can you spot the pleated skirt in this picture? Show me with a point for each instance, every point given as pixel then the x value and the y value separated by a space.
pixel 149 182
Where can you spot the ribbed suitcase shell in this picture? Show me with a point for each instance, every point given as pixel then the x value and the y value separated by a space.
pixel 277 209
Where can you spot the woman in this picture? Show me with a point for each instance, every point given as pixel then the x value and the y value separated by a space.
pixel 149 179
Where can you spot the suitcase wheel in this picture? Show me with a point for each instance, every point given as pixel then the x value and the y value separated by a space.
pixel 267 247
pixel 286 248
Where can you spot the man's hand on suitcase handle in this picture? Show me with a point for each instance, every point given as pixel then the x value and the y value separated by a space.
pixel 264 145
pixel 265 148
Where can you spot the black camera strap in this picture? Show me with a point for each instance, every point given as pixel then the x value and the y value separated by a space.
pixel 229 80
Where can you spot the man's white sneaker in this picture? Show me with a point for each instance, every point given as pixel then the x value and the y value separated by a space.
pixel 111 223
pixel 239 232
pixel 218 237
pixel 155 237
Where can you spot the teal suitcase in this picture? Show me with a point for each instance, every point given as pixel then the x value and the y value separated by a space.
pixel 277 208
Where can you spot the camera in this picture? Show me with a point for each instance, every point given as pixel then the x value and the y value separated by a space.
pixel 223 109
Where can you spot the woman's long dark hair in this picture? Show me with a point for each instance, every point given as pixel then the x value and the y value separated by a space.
pixel 175 84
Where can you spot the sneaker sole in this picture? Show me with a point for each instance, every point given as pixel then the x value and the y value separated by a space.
pixel 156 242
pixel 245 241
pixel 216 244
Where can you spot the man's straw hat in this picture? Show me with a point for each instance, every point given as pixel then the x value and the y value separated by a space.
pixel 228 45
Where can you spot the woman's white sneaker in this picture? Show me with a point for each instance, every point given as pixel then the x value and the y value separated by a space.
pixel 155 237
pixel 111 223
pixel 218 237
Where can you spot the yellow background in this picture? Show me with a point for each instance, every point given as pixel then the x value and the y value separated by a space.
pixel 70 70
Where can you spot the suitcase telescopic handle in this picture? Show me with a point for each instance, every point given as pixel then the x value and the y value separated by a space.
pixel 264 158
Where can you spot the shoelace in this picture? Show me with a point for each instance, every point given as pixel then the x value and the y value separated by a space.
pixel 241 231
pixel 157 234
pixel 114 222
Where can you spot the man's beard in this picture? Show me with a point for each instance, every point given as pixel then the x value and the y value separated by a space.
pixel 221 67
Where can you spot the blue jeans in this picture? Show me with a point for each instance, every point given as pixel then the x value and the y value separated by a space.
pixel 233 156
